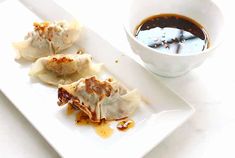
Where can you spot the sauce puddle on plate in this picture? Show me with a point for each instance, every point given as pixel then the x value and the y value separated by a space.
pixel 103 128
pixel 172 33
pixel 125 125
pixel 70 110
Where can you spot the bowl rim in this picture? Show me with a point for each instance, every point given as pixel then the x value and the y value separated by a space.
pixel 131 35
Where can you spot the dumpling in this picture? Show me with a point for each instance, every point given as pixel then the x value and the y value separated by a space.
pixel 100 100
pixel 64 69
pixel 47 38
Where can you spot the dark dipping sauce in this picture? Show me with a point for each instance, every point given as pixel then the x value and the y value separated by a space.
pixel 172 33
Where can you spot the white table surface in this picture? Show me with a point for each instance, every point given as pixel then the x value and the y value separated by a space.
pixel 210 89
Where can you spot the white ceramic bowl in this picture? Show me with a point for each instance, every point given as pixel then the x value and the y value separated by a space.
pixel 171 65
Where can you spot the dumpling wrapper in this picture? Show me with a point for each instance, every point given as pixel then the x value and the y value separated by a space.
pixel 100 100
pixel 64 68
pixel 48 38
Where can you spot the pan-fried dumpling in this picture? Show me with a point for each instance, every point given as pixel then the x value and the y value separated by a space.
pixel 47 38
pixel 100 100
pixel 64 69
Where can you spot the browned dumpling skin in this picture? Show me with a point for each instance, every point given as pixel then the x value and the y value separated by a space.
pixel 100 100
pixel 48 38
pixel 64 69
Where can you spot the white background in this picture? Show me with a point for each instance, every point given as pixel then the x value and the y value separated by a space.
pixel 210 89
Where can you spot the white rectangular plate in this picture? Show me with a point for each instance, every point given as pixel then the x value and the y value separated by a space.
pixel 162 112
